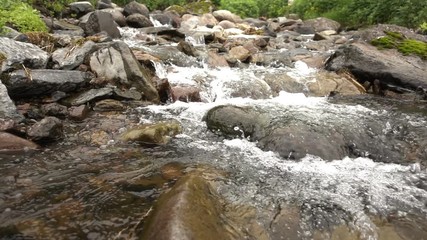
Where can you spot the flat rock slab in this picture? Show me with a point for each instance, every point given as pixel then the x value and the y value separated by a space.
pixel 390 67
pixel 12 143
pixel 21 84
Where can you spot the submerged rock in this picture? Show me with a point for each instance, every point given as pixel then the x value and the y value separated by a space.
pixel 12 143
pixel 157 133
pixel 48 129
pixel 190 210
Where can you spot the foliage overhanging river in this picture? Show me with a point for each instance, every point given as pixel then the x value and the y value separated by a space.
pixel 74 191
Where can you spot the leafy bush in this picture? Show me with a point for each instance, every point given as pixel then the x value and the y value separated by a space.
pixel 423 28
pixel 244 8
pixel 357 13
pixel 21 16
pixel 255 8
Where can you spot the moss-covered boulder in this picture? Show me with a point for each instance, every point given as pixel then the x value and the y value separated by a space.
pixel 199 7
pixel 157 133
pixel 397 40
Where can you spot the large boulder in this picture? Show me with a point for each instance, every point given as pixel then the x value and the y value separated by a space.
pixel 21 84
pixel 328 82
pixel 14 54
pixel 233 121
pixel 115 63
pixel 71 57
pixel 190 210
pixel 367 63
pixel 99 21
pixel 117 15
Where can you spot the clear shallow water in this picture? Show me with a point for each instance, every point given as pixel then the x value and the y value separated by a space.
pixel 81 191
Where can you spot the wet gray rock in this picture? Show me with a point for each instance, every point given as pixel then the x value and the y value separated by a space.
pixel 71 57
pixel 116 63
pixel 81 8
pixel 7 107
pixel 91 95
pixel 233 121
pixel 12 143
pixel 137 20
pixel 132 94
pixel 136 8
pixel 21 84
pixel 367 63
pixel 296 141
pixel 48 129
pixel 99 21
pixel 14 54
pixel 271 58
pixel 282 82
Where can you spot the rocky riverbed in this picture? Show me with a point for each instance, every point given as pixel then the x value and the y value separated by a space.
pixel 131 124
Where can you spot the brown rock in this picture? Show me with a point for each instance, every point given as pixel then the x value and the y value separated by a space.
pixel 190 210
pixel 48 129
pixel 172 170
pixel 186 94
pixel 12 143
pixel 78 113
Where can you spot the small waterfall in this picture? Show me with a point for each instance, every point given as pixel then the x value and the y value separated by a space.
pixel 160 69
pixel 196 40
pixel 157 23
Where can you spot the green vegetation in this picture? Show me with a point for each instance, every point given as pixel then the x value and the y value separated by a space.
pixel 20 16
pixel 423 28
pixel 357 13
pixel 395 40
pixel 255 8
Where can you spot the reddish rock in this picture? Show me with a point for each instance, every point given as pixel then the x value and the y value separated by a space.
pixel 186 94
pixel 78 113
pixel 12 143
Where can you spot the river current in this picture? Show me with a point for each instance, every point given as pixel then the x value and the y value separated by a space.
pixel 71 191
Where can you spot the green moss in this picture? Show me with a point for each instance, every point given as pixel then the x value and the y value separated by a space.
pixel 21 16
pixel 395 40
pixel 411 46
pixel 384 42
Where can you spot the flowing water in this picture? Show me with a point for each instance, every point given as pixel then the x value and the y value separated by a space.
pixel 77 191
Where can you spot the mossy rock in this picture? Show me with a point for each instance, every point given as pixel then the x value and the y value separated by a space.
pixel 396 40
pixel 157 133
pixel 199 7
